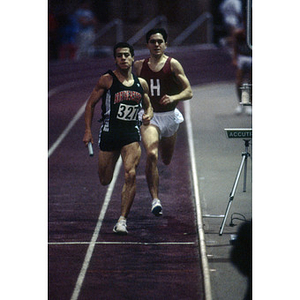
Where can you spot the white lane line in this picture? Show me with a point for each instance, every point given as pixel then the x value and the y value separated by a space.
pixel 78 115
pixel 123 243
pixel 92 243
pixel 202 246
pixel 67 129
pixel 61 88
pixel 69 85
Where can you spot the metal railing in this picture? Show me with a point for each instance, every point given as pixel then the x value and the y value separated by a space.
pixel 249 23
pixel 162 20
pixel 141 33
pixel 197 23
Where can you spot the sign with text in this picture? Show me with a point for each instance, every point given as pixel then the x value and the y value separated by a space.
pixel 239 133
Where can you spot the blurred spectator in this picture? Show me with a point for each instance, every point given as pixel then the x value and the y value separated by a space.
pixel 241 254
pixel 67 32
pixel 86 30
pixel 232 18
pixel 242 60
pixel 219 29
pixel 53 40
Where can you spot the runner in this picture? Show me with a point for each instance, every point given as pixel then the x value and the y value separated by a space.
pixel 122 95
pixel 168 85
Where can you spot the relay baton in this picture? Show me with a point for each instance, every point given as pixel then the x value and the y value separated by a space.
pixel 90 148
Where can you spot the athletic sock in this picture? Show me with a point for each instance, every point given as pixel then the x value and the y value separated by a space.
pixel 122 219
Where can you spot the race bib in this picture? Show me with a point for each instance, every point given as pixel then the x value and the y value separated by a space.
pixel 128 112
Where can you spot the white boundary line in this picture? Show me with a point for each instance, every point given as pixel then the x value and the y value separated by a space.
pixel 78 115
pixel 107 199
pixel 63 87
pixel 124 243
pixel 202 246
pixel 67 129
pixel 92 243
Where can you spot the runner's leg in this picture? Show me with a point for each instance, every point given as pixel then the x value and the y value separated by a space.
pixel 131 156
pixel 106 165
pixel 167 146
pixel 150 137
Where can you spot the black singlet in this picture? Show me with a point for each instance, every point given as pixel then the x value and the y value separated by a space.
pixel 120 107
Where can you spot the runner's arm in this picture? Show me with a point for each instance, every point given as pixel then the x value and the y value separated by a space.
pixel 180 76
pixel 148 110
pixel 98 91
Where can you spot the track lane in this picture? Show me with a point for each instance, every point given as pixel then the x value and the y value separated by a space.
pixel 75 198
pixel 73 220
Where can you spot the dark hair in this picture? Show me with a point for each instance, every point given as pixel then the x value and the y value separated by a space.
pixel 162 31
pixel 123 45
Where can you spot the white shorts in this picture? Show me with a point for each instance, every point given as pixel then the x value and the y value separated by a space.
pixel 167 122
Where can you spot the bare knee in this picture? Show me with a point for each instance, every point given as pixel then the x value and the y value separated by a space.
pixel 104 180
pixel 167 149
pixel 166 160
pixel 152 156
pixel 166 156
pixel 130 176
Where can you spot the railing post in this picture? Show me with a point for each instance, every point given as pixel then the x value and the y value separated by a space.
pixel 164 22
pixel 160 19
pixel 119 29
pixel 210 26
pixel 249 23
pixel 197 23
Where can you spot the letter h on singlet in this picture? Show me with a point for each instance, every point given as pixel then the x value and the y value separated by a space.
pixel 155 87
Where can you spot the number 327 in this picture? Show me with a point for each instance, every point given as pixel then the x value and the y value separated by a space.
pixel 128 112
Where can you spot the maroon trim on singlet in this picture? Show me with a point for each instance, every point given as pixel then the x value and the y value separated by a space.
pixel 160 83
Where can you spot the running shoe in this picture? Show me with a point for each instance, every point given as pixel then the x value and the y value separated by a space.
pixel 156 207
pixel 120 227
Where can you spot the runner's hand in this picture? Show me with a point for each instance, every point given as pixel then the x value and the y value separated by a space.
pixel 166 99
pixel 146 119
pixel 87 137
